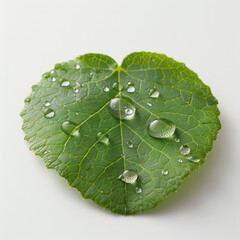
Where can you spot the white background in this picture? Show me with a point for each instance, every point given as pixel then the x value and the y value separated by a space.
pixel 35 203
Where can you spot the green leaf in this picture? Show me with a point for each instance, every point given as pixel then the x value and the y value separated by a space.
pixel 124 136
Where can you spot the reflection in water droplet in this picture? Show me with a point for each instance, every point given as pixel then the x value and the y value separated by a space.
pixel 129 144
pixel 184 150
pixel 70 128
pixel 103 138
pixel 65 83
pixel 106 89
pixel 164 172
pixel 177 140
pixel 27 100
pixel 122 108
pixel 149 104
pixel 161 128
pixel 129 176
pixel 154 93
pixel 49 113
pixel 138 190
pixel 47 104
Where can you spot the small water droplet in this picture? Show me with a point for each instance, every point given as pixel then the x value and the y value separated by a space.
pixel 180 160
pixel 177 140
pixel 149 104
pixel 122 108
pixel 196 160
pixel 46 75
pixel 101 191
pixel 129 144
pixel 76 90
pixel 129 176
pixel 103 138
pixel 138 190
pixel 106 89
pixel 53 79
pixel 70 128
pixel 161 128
pixel 165 172
pixel 49 113
pixel 65 83
pixel 184 150
pixel 115 86
pixel 52 71
pixel 77 66
pixel 130 87
pixel 47 104
pixel 27 100
pixel 154 93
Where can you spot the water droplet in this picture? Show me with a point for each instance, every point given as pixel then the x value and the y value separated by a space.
pixel 115 86
pixel 27 100
pixel 106 89
pixel 49 113
pixel 76 90
pixel 180 160
pixel 65 83
pixel 77 66
pixel 129 144
pixel 177 140
pixel 129 176
pixel 154 93
pixel 131 88
pixel 53 79
pixel 122 108
pixel 46 75
pixel 161 128
pixel 101 191
pixel 149 104
pixel 70 128
pixel 165 172
pixel 103 138
pixel 184 150
pixel 138 190
pixel 47 104
pixel 196 160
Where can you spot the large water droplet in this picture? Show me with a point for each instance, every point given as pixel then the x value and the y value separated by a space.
pixel 164 172
pixel 122 108
pixel 65 83
pixel 49 113
pixel 184 150
pixel 161 128
pixel 106 89
pixel 138 190
pixel 70 128
pixel 47 104
pixel 103 138
pixel 154 93
pixel 131 88
pixel 129 176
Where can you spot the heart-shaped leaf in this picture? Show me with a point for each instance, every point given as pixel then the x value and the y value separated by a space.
pixel 124 136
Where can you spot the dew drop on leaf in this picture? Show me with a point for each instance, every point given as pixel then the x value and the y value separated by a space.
pixel 154 93
pixel 129 176
pixel 180 160
pixel 164 172
pixel 49 113
pixel 131 88
pixel 184 150
pixel 149 104
pixel 129 144
pixel 53 79
pixel 47 104
pixel 69 127
pixel 138 190
pixel 103 138
pixel 27 100
pixel 65 83
pixel 122 108
pixel 161 128
pixel 106 89
pixel 77 66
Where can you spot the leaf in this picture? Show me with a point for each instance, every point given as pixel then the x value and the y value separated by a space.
pixel 124 136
